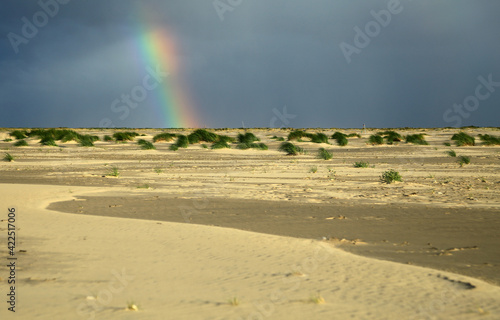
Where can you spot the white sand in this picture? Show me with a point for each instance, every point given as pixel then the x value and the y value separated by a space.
pixel 182 271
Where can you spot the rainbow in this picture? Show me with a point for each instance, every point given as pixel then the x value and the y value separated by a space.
pixel 159 48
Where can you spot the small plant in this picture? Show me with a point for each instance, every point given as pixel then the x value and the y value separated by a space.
pixel 416 139
pixel 86 140
pixel 317 299
pixel 296 135
pixel 489 140
pixel 108 138
pixel 361 164
pixel 319 138
pixel 21 143
pixel 202 135
pixel 324 154
pixel 390 176
pixel 174 147
pixel 167 137
pixel 159 170
pixel 247 138
pixel 182 141
pixel 18 134
pixel 146 145
pixel 125 136
pixel 7 140
pixel 144 186
pixel 278 138
pixel 234 301
pixel 391 136
pixel 220 145
pixel 375 139
pixel 114 172
pixel 351 135
pixel 8 157
pixel 341 138
pixel 204 146
pixel 48 141
pixel 451 153
pixel 313 169
pixel 463 139
pixel 226 139
pixel 463 160
pixel 290 149
pixel 446 144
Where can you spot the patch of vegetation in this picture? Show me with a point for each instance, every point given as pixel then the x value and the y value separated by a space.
pixel 416 139
pixel 361 164
pixel 375 139
pixel 290 149
pixel 174 147
pixel 114 172
pixel 391 136
pixel 144 186
pixel 351 135
pixel 204 146
pixel 182 141
pixel 296 135
pixel 108 138
pixel 8 157
pixel 87 140
pixel 48 141
pixel 247 138
pixel 125 136
pixel 203 135
pixel 319 138
pixel 317 299
pixel 146 145
pixel 341 138
pixel 220 145
pixel 463 160
pixel 489 140
pixel 446 144
pixel 324 154
pixel 226 139
pixel 167 137
pixel 313 169
pixel 18 134
pixel 21 143
pixel 7 140
pixel 463 139
pixel 390 176
pixel 451 153
pixel 278 138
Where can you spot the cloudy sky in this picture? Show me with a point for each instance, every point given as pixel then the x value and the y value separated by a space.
pixel 257 63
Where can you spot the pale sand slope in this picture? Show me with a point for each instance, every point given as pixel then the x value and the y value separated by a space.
pixel 182 271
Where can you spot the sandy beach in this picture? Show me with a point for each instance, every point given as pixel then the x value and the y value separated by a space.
pixel 253 234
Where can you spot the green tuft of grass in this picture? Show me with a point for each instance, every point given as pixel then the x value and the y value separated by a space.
pixel 159 170
pixel 108 138
pixel 48 141
pixel 416 139
pixel 296 135
pixel 391 136
pixel 7 140
pixel 390 176
pixel 86 140
pixel 114 172
pixel 489 140
pixel 313 169
pixel 167 137
pixel 361 164
pixel 146 145
pixel 174 147
pixel 463 160
pixel 182 141
pixel 463 139
pixel 317 299
pixel 204 146
pixel 18 134
pixel 447 144
pixel 8 157
pixel 451 153
pixel 340 138
pixel 278 138
pixel 290 149
pixel 220 145
pixel 21 143
pixel 203 135
pixel 324 154
pixel 144 186
pixel 319 138
pixel 125 136
pixel 375 139
pixel 226 139
pixel 247 138
pixel 352 135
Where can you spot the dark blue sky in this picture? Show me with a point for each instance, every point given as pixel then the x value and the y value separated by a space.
pixel 331 63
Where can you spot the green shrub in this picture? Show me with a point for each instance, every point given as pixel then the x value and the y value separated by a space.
pixel 48 141
pixel 204 146
pixel 146 145
pixel 463 160
pixel 86 141
pixel 463 139
pixel 108 138
pixel 193 138
pixel 220 145
pixel 18 134
pixel 391 136
pixel 324 154
pixel 125 136
pixel 489 140
pixel 8 157
pixel 247 138
pixel 446 144
pixel 7 140
pixel 451 153
pixel 182 141
pixel 361 164
pixel 340 138
pixel 174 147
pixel 351 135
pixel 390 176
pixel 376 139
pixel 203 135
pixel 167 137
pixel 290 149
pixel 319 138
pixel 114 172
pixel 416 139
pixel 226 139
pixel 296 135
pixel 21 143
